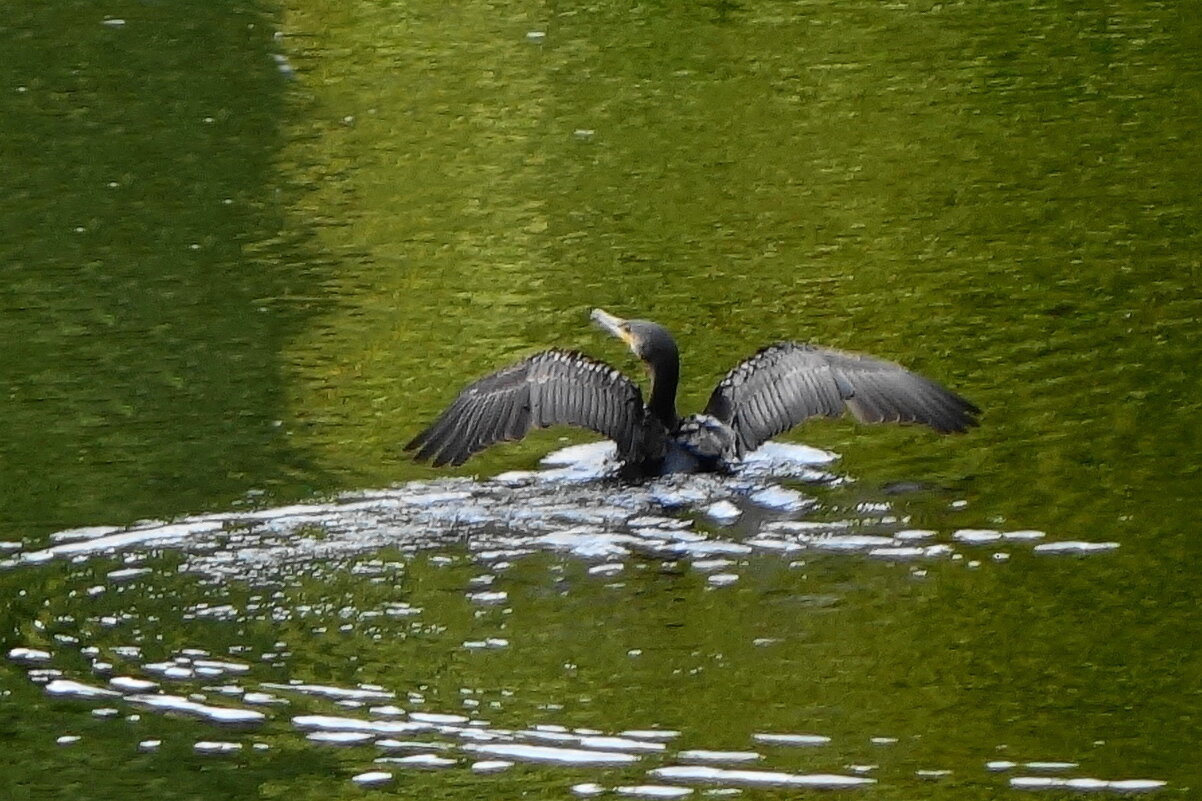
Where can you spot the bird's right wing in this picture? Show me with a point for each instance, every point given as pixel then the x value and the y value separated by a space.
pixel 787 383
pixel 555 387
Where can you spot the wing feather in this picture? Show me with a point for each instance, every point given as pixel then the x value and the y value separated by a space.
pixel 787 383
pixel 555 387
pixel 491 429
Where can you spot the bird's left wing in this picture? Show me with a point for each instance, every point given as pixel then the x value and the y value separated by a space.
pixel 787 383
pixel 555 387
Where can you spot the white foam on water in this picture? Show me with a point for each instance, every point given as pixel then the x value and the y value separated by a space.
pixel 551 755
pixel 806 527
pixel 263 699
pixel 722 512
pixel 515 478
pixel 787 452
pixel 82 534
pixel 418 761
pixel 1085 784
pixel 372 778
pixel 401 610
pixel 170 670
pixel 549 734
pixel 1050 767
pixel 340 737
pixel 477 735
pixel 488 598
pixel 154 535
pixel 850 542
pixel 29 656
pixel 606 743
pixel 513 517
pixel 439 718
pixel 389 744
pixel 1136 785
pixel 1026 535
pixel 596 453
pixel 587 789
pixel 899 554
pixel 658 735
pixel 606 569
pixel 977 536
pixel 223 612
pixel 588 542
pixel 708 565
pixel 214 714
pixel 491 766
pixel 485 645
pixel 657 533
pixel 337 693
pixel 132 685
pixel 701 774
pixel 718 757
pixel 66 688
pixel 703 548
pixel 334 723
pixel 791 739
pixel 914 535
pixel 236 668
pixel 216 747
pixel 1075 547
pixel 765 543
pixel 658 522
pixel 128 573
pixel 780 499
pixel 653 791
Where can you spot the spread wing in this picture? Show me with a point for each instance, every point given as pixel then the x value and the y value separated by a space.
pixel 555 387
pixel 787 383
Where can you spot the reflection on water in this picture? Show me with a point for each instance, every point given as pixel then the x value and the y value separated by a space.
pixel 117 659
pixel 147 280
pixel 575 507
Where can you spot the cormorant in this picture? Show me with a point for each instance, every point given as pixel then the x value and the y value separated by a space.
pixel 777 388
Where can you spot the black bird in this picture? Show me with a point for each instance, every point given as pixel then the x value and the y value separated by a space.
pixel 777 388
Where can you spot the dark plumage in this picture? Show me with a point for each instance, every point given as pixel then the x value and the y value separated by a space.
pixel 549 388
pixel 777 388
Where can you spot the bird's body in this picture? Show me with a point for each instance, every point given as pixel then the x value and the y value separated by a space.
pixel 777 388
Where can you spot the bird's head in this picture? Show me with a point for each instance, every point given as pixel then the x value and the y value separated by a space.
pixel 649 341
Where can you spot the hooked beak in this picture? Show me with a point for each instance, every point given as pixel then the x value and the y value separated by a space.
pixel 612 325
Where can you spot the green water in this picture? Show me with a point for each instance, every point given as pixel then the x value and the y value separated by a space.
pixel 222 283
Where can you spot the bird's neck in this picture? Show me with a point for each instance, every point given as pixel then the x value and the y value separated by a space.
pixel 664 379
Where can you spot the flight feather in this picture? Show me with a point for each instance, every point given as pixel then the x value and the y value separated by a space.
pixel 555 387
pixel 787 383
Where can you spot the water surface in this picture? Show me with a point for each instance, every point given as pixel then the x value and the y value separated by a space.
pixel 250 249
